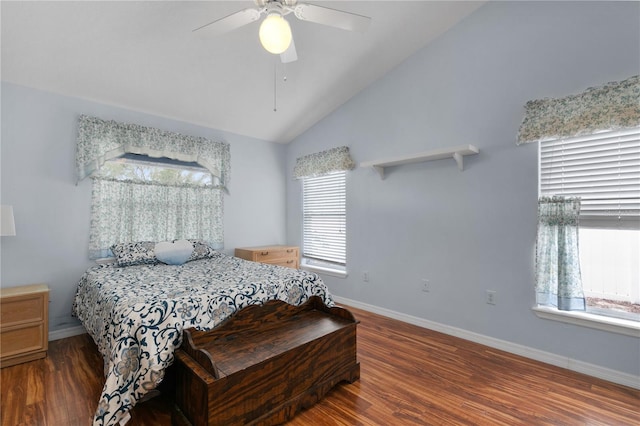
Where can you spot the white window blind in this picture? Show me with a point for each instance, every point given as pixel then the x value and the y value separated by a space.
pixel 603 169
pixel 324 217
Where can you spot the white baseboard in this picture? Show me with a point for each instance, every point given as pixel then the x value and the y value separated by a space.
pixel 66 332
pixel 525 351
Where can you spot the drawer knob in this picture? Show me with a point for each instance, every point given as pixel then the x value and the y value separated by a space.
pixel 264 253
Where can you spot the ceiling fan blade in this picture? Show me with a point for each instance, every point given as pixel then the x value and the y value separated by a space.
pixel 332 17
pixel 229 22
pixel 289 55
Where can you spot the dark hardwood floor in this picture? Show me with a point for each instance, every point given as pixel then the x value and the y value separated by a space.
pixel 409 376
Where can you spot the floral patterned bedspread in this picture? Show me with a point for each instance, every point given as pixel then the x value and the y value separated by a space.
pixel 136 314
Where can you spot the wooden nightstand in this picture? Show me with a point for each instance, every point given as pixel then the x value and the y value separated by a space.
pixel 24 323
pixel 275 255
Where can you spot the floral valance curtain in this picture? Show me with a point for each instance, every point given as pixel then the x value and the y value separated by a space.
pixel 321 163
pixel 100 140
pixel 613 106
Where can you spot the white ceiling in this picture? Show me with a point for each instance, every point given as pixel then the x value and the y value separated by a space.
pixel 144 56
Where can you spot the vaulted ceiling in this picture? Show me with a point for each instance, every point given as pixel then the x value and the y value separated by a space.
pixel 144 56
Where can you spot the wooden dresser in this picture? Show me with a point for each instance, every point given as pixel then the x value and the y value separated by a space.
pixel 24 323
pixel 275 255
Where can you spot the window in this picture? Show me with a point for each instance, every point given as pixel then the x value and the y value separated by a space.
pixel 147 201
pixel 324 221
pixel 139 198
pixel 604 170
pixel 159 171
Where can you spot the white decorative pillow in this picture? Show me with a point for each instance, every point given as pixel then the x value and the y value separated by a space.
pixel 173 253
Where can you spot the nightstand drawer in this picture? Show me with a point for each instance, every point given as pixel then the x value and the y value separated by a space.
pixel 21 340
pixel 20 311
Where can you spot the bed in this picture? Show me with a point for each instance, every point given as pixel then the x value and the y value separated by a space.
pixel 136 312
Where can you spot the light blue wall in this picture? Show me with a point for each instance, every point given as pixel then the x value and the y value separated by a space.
pixel 473 230
pixel 52 213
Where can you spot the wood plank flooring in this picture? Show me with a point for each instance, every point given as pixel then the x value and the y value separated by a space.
pixel 409 376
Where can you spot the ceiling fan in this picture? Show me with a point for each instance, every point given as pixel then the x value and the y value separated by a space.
pixel 275 33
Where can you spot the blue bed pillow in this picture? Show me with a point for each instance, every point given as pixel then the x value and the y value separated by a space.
pixel 174 253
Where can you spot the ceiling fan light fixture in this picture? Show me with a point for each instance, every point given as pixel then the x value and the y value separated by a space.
pixel 275 33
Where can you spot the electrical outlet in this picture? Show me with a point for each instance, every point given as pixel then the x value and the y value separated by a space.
pixel 365 276
pixel 426 286
pixel 490 297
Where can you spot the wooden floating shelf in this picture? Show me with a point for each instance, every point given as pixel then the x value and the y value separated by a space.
pixel 457 153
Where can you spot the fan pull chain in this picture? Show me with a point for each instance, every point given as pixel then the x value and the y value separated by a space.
pixel 275 88
pixel 275 83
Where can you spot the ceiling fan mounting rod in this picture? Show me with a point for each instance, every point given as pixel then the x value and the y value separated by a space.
pixel 285 3
pixel 282 7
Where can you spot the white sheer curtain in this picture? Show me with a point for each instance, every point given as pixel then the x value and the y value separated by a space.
pixel 129 211
pixel 558 278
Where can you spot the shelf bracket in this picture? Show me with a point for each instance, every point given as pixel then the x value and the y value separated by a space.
pixel 458 157
pixel 380 171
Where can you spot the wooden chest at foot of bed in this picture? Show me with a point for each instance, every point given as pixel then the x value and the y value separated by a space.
pixel 264 364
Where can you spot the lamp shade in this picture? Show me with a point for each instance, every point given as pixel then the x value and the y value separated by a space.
pixel 7 225
pixel 275 33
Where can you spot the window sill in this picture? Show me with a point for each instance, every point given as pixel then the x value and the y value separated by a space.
pixel 600 322
pixel 324 270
